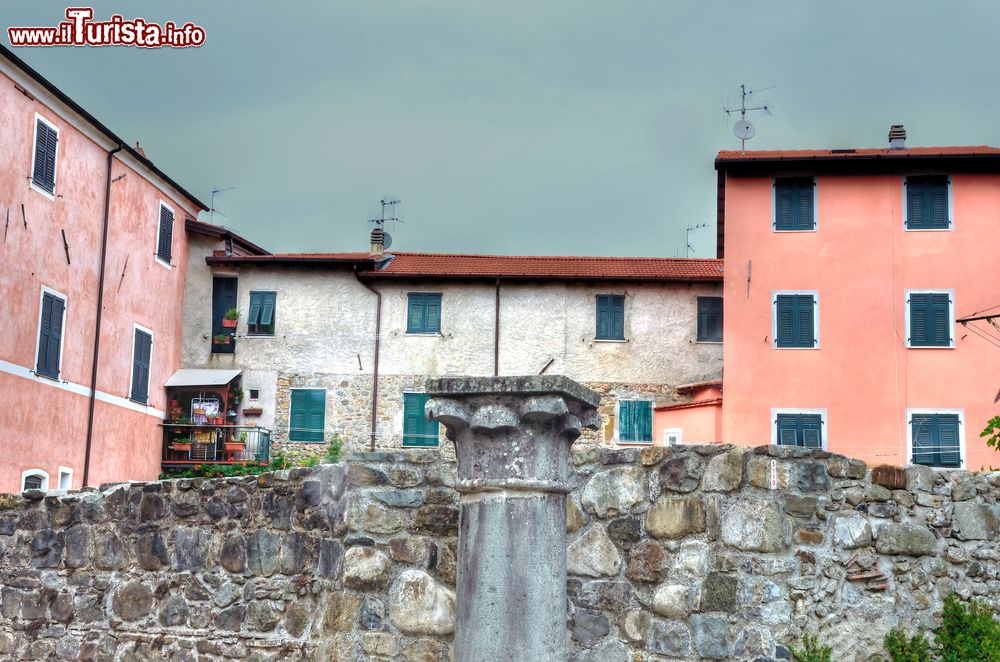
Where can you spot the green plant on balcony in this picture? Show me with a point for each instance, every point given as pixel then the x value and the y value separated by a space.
pixel 231 317
pixel 222 339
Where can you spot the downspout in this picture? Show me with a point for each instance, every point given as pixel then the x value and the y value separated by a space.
pixel 496 333
pixel 378 337
pixel 97 324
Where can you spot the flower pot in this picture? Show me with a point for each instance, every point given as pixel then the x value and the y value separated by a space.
pixel 181 447
pixel 229 324
pixel 233 447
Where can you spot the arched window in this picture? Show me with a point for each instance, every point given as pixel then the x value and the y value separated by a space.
pixel 34 479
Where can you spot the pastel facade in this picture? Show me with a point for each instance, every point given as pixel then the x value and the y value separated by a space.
pixel 848 273
pixel 63 174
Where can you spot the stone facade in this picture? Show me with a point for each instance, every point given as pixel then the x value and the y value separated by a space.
pixel 689 553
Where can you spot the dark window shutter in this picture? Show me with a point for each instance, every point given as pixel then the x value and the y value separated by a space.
pixel 916 208
pixel 603 317
pixel 618 317
pixel 804 203
pixel 710 319
pixel 785 206
pixel 940 319
pixel 610 317
pixel 163 243
pixel 432 313
pixel 923 435
pixel 927 203
pixel 415 313
pixel 930 319
pixel 787 429
pixel 44 173
pixel 267 309
pixel 949 451
pixel 253 317
pixel 811 426
pixel 806 311
pixel 795 320
pixel 141 354
pixel 794 203
pixel 50 335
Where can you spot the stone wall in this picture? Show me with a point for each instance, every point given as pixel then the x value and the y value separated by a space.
pixel 688 553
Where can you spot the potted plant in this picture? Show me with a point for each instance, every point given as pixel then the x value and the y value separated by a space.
pixel 222 339
pixel 231 318
pixel 182 445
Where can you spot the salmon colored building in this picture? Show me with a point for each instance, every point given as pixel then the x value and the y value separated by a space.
pixel 856 281
pixel 698 421
pixel 94 252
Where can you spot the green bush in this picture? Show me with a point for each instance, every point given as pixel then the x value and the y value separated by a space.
pixel 811 650
pixel 901 649
pixel 968 633
pixel 333 450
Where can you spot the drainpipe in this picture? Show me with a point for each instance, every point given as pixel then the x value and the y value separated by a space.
pixel 378 337
pixel 97 323
pixel 496 334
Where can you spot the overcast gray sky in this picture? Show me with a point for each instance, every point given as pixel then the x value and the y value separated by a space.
pixel 556 127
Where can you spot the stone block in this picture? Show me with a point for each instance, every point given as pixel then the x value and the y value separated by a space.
pixel 676 516
pixel 614 491
pixel 593 554
pixel 755 525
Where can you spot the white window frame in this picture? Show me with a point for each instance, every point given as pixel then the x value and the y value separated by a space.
pixel 36 472
pixel 156 239
pixel 951 207
pixel 326 403
pixel 618 418
pixel 38 331
pixel 673 432
pixel 131 365
pixel 774 204
pixel 961 434
pixel 68 473
pixel 274 333
pixel 823 431
pixel 774 318
pixel 406 325
pixel 951 316
pixel 34 153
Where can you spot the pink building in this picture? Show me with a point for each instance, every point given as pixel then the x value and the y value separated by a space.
pixel 850 275
pixel 94 252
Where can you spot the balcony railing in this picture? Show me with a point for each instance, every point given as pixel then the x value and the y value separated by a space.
pixel 186 444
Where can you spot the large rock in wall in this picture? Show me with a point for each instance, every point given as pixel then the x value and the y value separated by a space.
pixel 688 553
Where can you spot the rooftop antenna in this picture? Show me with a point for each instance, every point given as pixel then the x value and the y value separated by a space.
pixel 687 236
pixel 388 207
pixel 743 129
pixel 213 211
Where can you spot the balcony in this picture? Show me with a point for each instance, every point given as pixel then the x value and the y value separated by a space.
pixel 186 444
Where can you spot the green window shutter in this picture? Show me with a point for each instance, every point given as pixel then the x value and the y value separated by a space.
pixel 417 430
pixel 916 207
pixel 307 417
pixel 785 206
pixel 423 312
pixel 141 353
pixel 253 318
pixel 919 319
pixel 949 451
pixel 785 326
pixel 788 427
pixel 50 335
pixel 603 317
pixel 923 439
pixel 794 203
pixel 267 309
pixel 795 316
pixel 805 314
pixel 610 317
pixel 618 317
pixel 940 319
pixel 260 319
pixel 415 313
pixel 927 203
pixel 44 173
pixel 635 421
pixel 432 313
pixel 165 238
pixel 930 319
pixel 710 319
pixel 804 430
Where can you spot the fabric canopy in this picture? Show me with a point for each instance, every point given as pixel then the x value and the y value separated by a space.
pixel 201 377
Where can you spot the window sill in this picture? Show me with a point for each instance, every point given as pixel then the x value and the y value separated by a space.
pixel 165 265
pixel 908 346
pixel 144 403
pixel 611 340
pixel 708 342
pixel 425 335
pixel 260 335
pixel 947 229
pixel 619 442
pixel 812 230
pixel 51 378
pixel 38 189
pixel 795 348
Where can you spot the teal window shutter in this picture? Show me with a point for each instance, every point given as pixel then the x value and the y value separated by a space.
pixel 794 203
pixel 805 430
pixel 927 203
pixel 261 318
pixel 423 312
pixel 610 317
pixel 795 320
pixel 935 440
pixel 141 353
pixel 417 430
pixel 307 417
pixel 930 319
pixel 710 319
pixel 50 330
pixel 635 421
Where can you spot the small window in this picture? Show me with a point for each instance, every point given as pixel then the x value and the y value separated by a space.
pixel 710 319
pixel 260 321
pixel 417 430
pixel 610 317
pixel 34 479
pixel 927 204
pixel 423 312
pixel 673 437
pixel 308 415
pixel 50 332
pixel 795 320
pixel 254 393
pixel 805 430
pixel 65 478
pixel 142 348
pixel 930 319
pixel 635 421
pixel 43 163
pixel 935 439
pixel 165 234
pixel 794 204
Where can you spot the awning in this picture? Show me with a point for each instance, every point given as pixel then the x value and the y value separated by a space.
pixel 201 377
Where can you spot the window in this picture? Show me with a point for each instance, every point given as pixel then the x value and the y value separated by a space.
pixel 799 429
pixel 796 320
pixel 254 394
pixel 142 348
pixel 34 479
pixel 635 421
pixel 417 430
pixel 610 317
pixel 50 332
pixel 223 300
pixel 672 437
pixel 308 415
pixel 165 234
pixel 927 204
pixel 65 478
pixel 260 321
pixel 423 312
pixel 43 162
pixel 930 319
pixel 794 204
pixel 935 438
pixel 710 319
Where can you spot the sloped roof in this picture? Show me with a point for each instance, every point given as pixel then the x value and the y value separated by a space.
pixel 857 153
pixel 212 230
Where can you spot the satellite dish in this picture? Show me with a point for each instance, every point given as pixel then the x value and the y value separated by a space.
pixel 386 241
pixel 744 130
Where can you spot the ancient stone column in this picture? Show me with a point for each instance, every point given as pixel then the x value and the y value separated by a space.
pixel 512 438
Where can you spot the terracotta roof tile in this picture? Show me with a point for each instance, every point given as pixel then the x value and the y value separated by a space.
pixel 863 152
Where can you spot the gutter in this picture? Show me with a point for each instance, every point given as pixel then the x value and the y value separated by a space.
pixel 97 325
pixel 496 333
pixel 378 337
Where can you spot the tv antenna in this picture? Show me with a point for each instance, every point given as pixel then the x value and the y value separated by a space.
pixel 388 207
pixel 687 236
pixel 743 129
pixel 213 211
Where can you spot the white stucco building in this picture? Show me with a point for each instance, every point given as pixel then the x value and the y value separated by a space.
pixel 308 346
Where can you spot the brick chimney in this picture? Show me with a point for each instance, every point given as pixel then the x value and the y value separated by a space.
pixel 897 137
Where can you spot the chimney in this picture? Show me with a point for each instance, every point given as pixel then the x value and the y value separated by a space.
pixel 897 137
pixel 378 241
pixel 139 149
